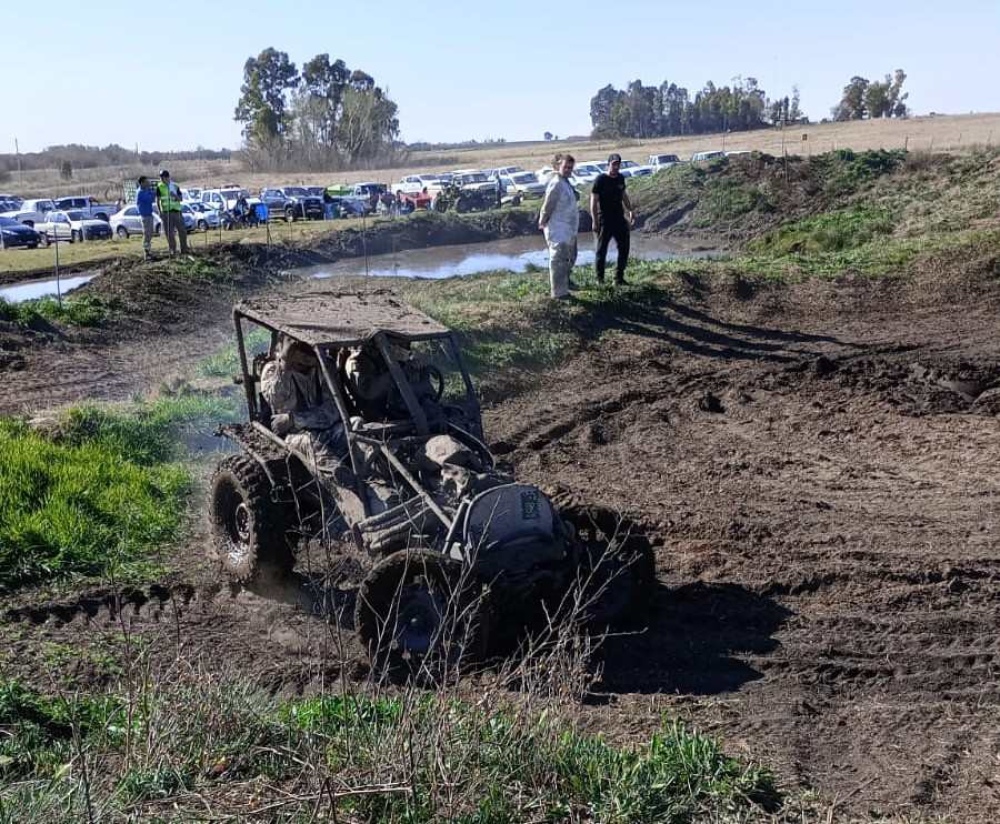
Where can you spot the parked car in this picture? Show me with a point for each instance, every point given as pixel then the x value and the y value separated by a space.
pixel 128 222
pixel 475 179
pixel 504 171
pixel 226 197
pixel 191 217
pixel 192 194
pixel 637 171
pixel 699 157
pixel 349 206
pixel 204 218
pixel 413 184
pixel 31 212
pixel 524 184
pixel 587 172
pixel 9 198
pixel 90 206
pixel 73 225
pixel 14 234
pixel 293 202
pixel 301 204
pixel 662 161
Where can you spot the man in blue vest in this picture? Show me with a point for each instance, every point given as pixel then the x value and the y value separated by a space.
pixel 144 199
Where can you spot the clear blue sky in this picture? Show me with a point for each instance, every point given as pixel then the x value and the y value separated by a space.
pixel 463 69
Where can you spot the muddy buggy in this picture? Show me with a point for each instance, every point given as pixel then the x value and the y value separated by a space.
pixel 444 537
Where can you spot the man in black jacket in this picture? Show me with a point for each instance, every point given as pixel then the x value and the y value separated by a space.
pixel 609 203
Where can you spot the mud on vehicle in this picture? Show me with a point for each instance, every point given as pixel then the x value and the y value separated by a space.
pixel 455 551
pixel 454 197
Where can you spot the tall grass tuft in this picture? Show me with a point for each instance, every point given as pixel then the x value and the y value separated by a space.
pixel 95 491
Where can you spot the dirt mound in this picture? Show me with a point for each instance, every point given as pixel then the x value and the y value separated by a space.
pixel 823 479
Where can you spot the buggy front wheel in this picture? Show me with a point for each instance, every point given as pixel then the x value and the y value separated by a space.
pixel 415 613
pixel 251 532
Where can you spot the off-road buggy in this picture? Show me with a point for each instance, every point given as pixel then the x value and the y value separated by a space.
pixel 441 532
pixel 458 198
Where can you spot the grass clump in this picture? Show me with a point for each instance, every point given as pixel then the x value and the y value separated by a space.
pixel 829 232
pixel 226 362
pixel 85 310
pixel 95 491
pixel 201 748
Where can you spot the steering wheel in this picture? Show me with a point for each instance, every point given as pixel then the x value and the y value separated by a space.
pixel 435 374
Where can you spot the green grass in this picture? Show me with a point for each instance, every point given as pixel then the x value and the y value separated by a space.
pixel 829 232
pixel 85 310
pixel 226 362
pixel 99 492
pixel 203 747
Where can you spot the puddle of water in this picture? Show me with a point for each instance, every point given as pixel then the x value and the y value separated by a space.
pixel 32 290
pixel 514 255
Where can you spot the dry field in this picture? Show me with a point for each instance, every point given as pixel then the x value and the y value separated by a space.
pixel 939 133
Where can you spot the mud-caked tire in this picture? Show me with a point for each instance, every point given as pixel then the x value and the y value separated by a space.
pixel 416 614
pixel 252 537
pixel 616 566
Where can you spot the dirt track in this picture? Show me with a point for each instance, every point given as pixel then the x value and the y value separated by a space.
pixel 821 464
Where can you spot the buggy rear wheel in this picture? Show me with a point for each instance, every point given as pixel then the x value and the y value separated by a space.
pixel 250 531
pixel 415 614
pixel 616 568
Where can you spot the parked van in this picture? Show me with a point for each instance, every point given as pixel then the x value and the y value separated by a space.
pixel 698 157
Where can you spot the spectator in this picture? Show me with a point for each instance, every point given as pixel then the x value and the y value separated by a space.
pixel 608 203
pixel 168 200
pixel 144 199
pixel 560 220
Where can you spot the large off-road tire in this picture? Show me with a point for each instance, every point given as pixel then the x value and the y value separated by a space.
pixel 251 532
pixel 616 567
pixel 415 614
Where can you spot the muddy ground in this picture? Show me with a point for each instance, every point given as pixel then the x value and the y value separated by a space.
pixel 819 462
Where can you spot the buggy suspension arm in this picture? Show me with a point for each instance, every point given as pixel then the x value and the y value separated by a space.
pixel 413 482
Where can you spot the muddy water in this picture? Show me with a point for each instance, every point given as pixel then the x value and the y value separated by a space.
pixel 514 254
pixel 34 289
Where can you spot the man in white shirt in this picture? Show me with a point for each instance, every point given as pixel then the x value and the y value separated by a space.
pixel 559 219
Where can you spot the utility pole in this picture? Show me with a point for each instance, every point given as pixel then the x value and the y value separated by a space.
pixel 17 154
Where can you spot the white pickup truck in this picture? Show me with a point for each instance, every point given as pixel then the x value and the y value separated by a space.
pixel 90 206
pixel 31 211
pixel 662 161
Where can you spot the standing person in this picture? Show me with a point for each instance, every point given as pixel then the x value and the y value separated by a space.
pixel 560 220
pixel 608 204
pixel 168 201
pixel 144 198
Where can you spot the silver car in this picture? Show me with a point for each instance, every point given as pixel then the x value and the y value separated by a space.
pixel 204 218
pixel 128 222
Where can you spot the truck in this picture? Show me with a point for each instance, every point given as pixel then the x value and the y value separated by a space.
pixel 31 212
pixel 662 161
pixel 90 206
pixel 224 199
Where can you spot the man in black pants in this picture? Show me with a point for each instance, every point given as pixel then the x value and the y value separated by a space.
pixel 608 204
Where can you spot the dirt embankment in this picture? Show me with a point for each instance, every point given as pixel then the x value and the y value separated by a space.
pixel 731 203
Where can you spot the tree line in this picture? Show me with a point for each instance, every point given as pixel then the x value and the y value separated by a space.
pixel 324 116
pixel 77 156
pixel 669 110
